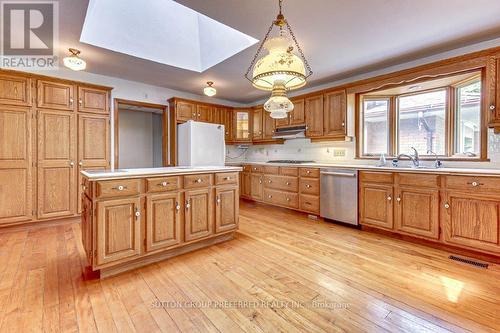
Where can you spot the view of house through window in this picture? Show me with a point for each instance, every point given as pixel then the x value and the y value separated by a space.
pixel 440 116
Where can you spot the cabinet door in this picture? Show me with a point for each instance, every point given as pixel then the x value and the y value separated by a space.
pixel 185 111
pixel 245 184
pixel 269 125
pixel 163 224
pixel 297 116
pixel 256 186
pixel 93 100
pixel 15 164
pixel 218 115
pixel 228 125
pixel 472 220
pixel 242 125
pixel 54 95
pixel 257 123
pixel 314 116
pixel 417 211
pixel 56 164
pixel 203 113
pixel 495 106
pixel 226 209
pixel 375 202
pixel 15 90
pixel 118 230
pixel 335 109
pixel 198 214
pixel 93 141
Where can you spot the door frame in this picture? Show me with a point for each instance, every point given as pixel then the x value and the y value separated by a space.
pixel 165 128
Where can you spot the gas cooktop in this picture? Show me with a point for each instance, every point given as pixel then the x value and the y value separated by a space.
pixel 290 161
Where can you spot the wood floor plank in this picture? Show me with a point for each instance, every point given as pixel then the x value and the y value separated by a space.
pixel 278 260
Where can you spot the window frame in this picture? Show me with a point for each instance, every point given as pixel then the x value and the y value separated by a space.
pixel 450 117
pixel 389 122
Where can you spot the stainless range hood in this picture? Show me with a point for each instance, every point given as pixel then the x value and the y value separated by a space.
pixel 292 132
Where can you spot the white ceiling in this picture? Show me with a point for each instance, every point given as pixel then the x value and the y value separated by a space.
pixel 340 38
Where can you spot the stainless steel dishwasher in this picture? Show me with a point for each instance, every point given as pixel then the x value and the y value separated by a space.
pixel 339 195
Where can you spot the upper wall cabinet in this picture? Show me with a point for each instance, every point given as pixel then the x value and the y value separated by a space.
pixel 494 105
pixel 15 90
pixel 335 112
pixel 185 111
pixel 93 100
pixel 295 117
pixel 242 125
pixel 55 95
pixel 257 118
pixel 314 116
pixel 203 113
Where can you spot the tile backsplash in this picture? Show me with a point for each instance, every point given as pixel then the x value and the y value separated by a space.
pixel 336 152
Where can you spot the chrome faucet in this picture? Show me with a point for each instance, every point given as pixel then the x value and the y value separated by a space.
pixel 437 163
pixel 415 159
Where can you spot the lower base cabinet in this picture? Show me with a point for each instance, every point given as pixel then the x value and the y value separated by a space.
pixel 375 202
pixel 472 220
pixel 198 220
pixel 126 220
pixel 118 230
pixel 417 211
pixel 163 223
pixel 226 209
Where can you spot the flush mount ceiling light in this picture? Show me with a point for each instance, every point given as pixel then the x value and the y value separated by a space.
pixel 73 61
pixel 210 91
pixel 280 70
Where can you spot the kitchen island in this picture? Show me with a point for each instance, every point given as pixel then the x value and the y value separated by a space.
pixel 133 217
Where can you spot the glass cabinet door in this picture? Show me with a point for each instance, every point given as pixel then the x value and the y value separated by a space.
pixel 242 130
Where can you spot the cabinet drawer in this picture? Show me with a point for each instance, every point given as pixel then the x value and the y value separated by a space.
pixel 309 203
pixel 163 184
pixel 286 171
pixel 284 183
pixel 196 181
pixel 376 177
pixel 473 183
pixel 309 172
pixel 272 170
pixel 226 178
pixel 309 186
pixel 118 188
pixel 281 198
pixel 418 179
pixel 256 168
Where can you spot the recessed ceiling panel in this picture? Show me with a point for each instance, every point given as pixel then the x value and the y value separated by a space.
pixel 161 31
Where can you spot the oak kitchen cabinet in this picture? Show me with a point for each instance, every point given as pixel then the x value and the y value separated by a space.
pixel 242 125
pixel 296 117
pixel 46 137
pixel 314 116
pixel 257 122
pixel 134 221
pixel 335 113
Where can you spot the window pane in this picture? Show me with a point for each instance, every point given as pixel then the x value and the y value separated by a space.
pixel 422 122
pixel 375 133
pixel 468 118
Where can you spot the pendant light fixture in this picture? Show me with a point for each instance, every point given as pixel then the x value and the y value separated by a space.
pixel 73 61
pixel 209 90
pixel 280 70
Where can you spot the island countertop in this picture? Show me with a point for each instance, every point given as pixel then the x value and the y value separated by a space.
pixel 164 171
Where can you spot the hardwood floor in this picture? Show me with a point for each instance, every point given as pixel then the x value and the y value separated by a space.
pixel 334 279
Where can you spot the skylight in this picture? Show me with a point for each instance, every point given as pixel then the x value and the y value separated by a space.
pixel 162 31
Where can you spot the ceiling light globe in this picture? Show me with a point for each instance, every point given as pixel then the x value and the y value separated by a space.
pixel 279 65
pixel 278 105
pixel 75 63
pixel 209 90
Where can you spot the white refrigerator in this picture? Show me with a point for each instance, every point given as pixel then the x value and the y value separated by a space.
pixel 200 144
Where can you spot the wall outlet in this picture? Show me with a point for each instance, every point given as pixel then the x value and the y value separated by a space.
pixel 339 152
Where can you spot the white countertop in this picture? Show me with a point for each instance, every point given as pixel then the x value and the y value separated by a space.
pixel 165 171
pixel 426 169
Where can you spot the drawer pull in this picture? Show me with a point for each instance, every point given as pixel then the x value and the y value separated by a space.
pixel 287 199
pixel 492 107
pixel 475 184
pixel 269 181
pixel 119 188
pixel 137 213
pixel 389 198
pixel 446 205
pixel 163 184
pixel 308 172
pixel 398 199
pixel 227 178
pixel 288 183
pixel 269 196
pixel 308 186
pixel 198 180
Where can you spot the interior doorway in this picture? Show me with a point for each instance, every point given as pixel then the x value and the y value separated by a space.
pixel 140 134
